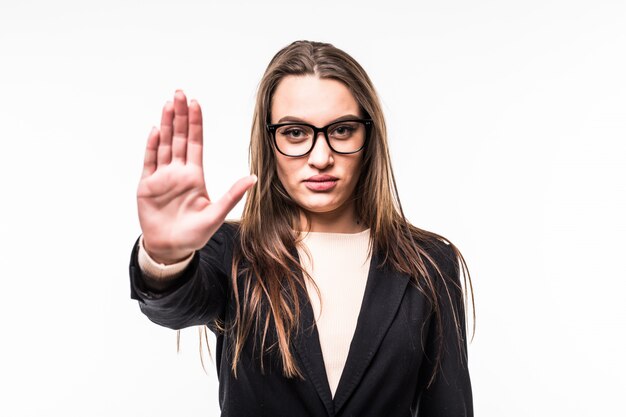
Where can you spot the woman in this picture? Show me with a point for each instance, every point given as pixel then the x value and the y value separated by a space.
pixel 324 300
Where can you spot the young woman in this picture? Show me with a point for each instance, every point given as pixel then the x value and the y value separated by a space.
pixel 324 300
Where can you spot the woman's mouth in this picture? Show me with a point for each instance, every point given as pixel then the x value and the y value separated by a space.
pixel 320 182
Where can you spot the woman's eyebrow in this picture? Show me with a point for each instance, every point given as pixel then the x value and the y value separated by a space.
pixel 297 119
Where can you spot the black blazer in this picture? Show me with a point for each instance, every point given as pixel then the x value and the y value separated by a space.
pixel 389 362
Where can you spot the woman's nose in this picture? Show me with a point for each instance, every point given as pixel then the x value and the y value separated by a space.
pixel 321 155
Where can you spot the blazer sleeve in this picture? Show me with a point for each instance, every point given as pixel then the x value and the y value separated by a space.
pixel 198 296
pixel 450 394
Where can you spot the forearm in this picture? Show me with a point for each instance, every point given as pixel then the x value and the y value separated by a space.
pixel 158 276
pixel 194 296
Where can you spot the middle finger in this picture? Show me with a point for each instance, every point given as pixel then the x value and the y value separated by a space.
pixel 181 127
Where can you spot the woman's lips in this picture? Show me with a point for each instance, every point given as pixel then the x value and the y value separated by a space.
pixel 320 182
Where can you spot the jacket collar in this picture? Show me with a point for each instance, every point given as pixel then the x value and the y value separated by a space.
pixel 383 293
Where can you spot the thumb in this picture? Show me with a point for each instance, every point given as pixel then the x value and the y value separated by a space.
pixel 229 200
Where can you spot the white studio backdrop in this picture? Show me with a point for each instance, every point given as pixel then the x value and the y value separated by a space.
pixel 507 127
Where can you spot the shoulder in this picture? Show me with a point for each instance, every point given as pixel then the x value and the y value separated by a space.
pixel 225 236
pixel 439 253
pixel 438 247
pixel 229 230
pixel 220 245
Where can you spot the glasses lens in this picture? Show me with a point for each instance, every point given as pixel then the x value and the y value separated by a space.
pixel 294 139
pixel 347 136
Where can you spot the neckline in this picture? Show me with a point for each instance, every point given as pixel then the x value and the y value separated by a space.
pixel 338 234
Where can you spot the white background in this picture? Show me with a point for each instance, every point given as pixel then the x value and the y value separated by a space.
pixel 507 123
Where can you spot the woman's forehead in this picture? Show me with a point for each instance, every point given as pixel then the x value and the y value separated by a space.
pixel 312 99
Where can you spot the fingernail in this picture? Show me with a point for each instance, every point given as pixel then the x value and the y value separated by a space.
pixel 254 178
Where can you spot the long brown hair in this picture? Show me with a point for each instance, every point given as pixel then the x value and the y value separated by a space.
pixel 265 264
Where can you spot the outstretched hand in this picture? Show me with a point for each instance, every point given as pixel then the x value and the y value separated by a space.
pixel 175 212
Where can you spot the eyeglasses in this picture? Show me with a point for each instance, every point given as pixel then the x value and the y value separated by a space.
pixel 343 137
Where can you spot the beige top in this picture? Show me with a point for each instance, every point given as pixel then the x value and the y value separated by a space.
pixel 339 264
pixel 156 270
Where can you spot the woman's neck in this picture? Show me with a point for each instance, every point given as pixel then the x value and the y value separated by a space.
pixel 343 221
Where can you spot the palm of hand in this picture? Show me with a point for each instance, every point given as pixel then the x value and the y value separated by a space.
pixel 175 206
pixel 175 212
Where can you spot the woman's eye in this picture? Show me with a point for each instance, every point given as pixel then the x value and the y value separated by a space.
pixel 343 131
pixel 295 133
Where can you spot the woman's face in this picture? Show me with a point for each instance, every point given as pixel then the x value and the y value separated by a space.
pixel 319 102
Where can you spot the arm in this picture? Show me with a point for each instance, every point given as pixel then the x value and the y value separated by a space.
pixel 450 394
pixel 196 295
pixel 159 276
pixel 178 219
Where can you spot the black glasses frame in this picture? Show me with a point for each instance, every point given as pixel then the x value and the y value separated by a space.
pixel 316 130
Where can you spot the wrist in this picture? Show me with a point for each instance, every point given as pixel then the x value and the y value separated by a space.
pixel 167 257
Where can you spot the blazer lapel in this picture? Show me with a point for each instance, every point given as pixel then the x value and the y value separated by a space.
pixel 383 293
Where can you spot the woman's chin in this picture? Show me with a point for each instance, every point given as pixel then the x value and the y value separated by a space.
pixel 319 206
